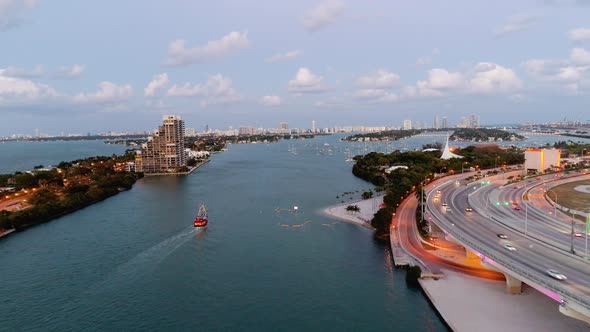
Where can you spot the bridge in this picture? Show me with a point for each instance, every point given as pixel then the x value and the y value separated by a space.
pixel 515 230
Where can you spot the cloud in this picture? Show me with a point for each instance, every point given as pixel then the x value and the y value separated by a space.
pixel 423 61
pixel 271 100
pixel 179 55
pixel 217 90
pixel 441 79
pixel 68 73
pixel 516 23
pixel 15 90
pixel 24 73
pixel 107 93
pixel 285 56
pixel 496 79
pixel 11 10
pixel 381 79
pixel 306 82
pixel 483 78
pixel 322 15
pixel 376 96
pixel 579 35
pixel 580 56
pixel 158 82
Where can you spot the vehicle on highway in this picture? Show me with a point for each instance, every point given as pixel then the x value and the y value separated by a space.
pixel 509 247
pixel 578 234
pixel 556 274
pixel 515 187
pixel 468 209
pixel 517 207
pixel 444 204
pixel 514 203
pixel 502 236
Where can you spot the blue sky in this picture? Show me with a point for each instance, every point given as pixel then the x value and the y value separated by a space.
pixel 79 66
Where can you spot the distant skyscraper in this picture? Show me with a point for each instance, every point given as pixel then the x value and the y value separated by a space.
pixel 206 128
pixel 246 131
pixel 473 121
pixel 436 125
pixel 284 125
pixel 314 128
pixel 444 123
pixel 37 133
pixel 164 151
pixel 407 125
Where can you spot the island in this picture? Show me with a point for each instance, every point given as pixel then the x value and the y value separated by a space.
pixel 484 135
pixel 388 135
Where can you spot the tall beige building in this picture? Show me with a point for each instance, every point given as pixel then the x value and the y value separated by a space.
pixel 164 151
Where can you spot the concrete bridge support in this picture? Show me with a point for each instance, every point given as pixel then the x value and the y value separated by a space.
pixel 513 285
pixel 569 311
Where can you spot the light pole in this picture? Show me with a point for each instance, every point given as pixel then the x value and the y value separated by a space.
pixel 572 236
pixel 587 231
pixel 526 217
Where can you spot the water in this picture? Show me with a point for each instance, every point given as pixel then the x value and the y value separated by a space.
pixel 24 155
pixel 133 262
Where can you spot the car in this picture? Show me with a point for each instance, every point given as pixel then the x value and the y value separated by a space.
pixel 578 234
pixel 514 203
pixel 517 208
pixel 468 209
pixel 438 192
pixel 556 274
pixel 515 187
pixel 509 247
pixel 444 204
pixel 502 236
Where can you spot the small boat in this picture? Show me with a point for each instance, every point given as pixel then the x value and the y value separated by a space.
pixel 201 218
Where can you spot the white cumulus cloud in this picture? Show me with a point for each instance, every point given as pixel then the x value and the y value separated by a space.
pixel 107 92
pixel 68 73
pixel 306 82
pixel 323 15
pixel 270 100
pixel 22 91
pixel 37 72
pixel 497 79
pixel 217 90
pixel 579 35
pixel 157 83
pixel 580 56
pixel 179 55
pixel 381 79
pixel 285 56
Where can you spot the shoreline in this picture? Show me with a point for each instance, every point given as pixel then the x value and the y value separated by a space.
pixel 180 173
pixel 363 218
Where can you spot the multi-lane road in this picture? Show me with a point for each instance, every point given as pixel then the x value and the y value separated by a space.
pixel 545 246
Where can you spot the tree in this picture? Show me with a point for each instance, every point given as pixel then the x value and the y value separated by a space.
pixel 43 196
pixel 367 194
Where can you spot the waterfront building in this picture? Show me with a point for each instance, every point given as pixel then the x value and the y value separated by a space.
pixel 284 125
pixel 164 151
pixel 246 131
pixel 444 122
pixel 435 125
pixel 541 160
pixel 473 121
pixel 407 125
pixel 314 128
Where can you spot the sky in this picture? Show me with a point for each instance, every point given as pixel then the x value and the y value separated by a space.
pixel 95 66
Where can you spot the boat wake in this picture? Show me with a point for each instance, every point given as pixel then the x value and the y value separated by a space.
pixel 130 272
pixel 146 261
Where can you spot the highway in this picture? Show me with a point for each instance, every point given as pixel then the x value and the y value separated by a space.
pixel 479 229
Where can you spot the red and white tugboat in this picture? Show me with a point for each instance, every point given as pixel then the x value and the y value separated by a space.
pixel 201 218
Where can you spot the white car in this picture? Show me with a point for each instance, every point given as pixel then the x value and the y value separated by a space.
pixel 509 247
pixel 444 204
pixel 468 209
pixel 556 274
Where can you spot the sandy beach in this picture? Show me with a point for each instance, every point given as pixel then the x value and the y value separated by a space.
pixel 472 304
pixel 368 208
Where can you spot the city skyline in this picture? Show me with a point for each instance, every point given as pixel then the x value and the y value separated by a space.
pixel 71 71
